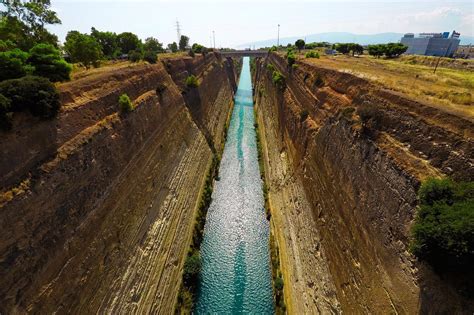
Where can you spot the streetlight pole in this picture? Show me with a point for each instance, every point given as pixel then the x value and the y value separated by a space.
pixel 278 37
pixel 214 39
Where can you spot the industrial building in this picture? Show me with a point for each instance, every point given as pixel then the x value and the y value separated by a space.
pixel 432 44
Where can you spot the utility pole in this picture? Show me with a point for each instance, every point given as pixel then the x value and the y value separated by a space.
pixel 278 37
pixel 178 30
pixel 214 38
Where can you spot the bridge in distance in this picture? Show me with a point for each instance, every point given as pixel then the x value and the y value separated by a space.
pixel 244 53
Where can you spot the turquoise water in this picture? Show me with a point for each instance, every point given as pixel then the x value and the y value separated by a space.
pixel 236 276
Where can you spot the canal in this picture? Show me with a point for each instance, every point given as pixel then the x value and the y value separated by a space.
pixel 236 275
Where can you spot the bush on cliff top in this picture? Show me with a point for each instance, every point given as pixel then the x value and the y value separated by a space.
pixel 35 94
pixel 312 54
pixel 443 233
pixel 125 105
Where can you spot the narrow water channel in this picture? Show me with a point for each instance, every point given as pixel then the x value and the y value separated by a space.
pixel 236 275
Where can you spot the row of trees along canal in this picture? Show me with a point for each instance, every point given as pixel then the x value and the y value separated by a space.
pixel 390 50
pixel 31 58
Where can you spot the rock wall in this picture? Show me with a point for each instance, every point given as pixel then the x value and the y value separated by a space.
pixel 103 224
pixel 342 200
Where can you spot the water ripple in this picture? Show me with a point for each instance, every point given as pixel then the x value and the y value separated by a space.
pixel 236 276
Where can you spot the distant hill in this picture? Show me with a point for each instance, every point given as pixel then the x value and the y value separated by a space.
pixel 343 37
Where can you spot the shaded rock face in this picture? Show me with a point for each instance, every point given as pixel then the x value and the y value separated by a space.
pixel 343 199
pixel 102 221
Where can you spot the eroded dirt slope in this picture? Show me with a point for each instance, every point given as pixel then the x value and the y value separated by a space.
pixel 102 222
pixel 343 200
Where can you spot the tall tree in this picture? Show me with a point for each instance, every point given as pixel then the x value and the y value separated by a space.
pixel 152 44
pixel 128 41
pixel 23 22
pixel 300 44
pixel 173 47
pixel 183 42
pixel 108 42
pixel 83 48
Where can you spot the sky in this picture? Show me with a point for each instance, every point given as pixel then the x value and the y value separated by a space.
pixel 239 22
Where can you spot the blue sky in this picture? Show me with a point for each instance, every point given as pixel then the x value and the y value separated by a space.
pixel 238 22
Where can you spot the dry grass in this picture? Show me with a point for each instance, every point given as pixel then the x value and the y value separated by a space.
pixel 79 71
pixel 448 89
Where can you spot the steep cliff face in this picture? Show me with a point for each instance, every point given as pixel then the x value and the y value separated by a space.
pixel 343 200
pixel 101 222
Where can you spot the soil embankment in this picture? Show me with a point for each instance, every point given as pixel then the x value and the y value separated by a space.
pixel 343 199
pixel 100 219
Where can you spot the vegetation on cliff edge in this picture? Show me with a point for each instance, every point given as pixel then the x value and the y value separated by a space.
pixel 277 277
pixel 443 233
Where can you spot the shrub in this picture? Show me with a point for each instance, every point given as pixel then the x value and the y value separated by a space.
pixel 290 57
pixel 135 55
pixel 13 64
pixel 192 81
pixel 279 283
pixel 150 56
pixel 5 119
pixel 36 94
pixel 270 67
pixel 47 62
pixel 278 79
pixel 312 54
pixel 444 227
pixel 191 53
pixel 273 48
pixel 370 115
pixel 192 268
pixel 125 105
pixel 303 115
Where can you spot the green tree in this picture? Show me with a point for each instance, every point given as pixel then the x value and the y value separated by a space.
pixel 173 47
pixel 108 42
pixel 6 45
pixel 47 62
pixel 83 48
pixel 299 44
pixel 13 64
pixel 128 41
pixel 356 49
pixel 152 44
pixel 183 42
pixel 343 48
pixel 376 50
pixel 394 49
pixel 23 22
pixel 197 48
